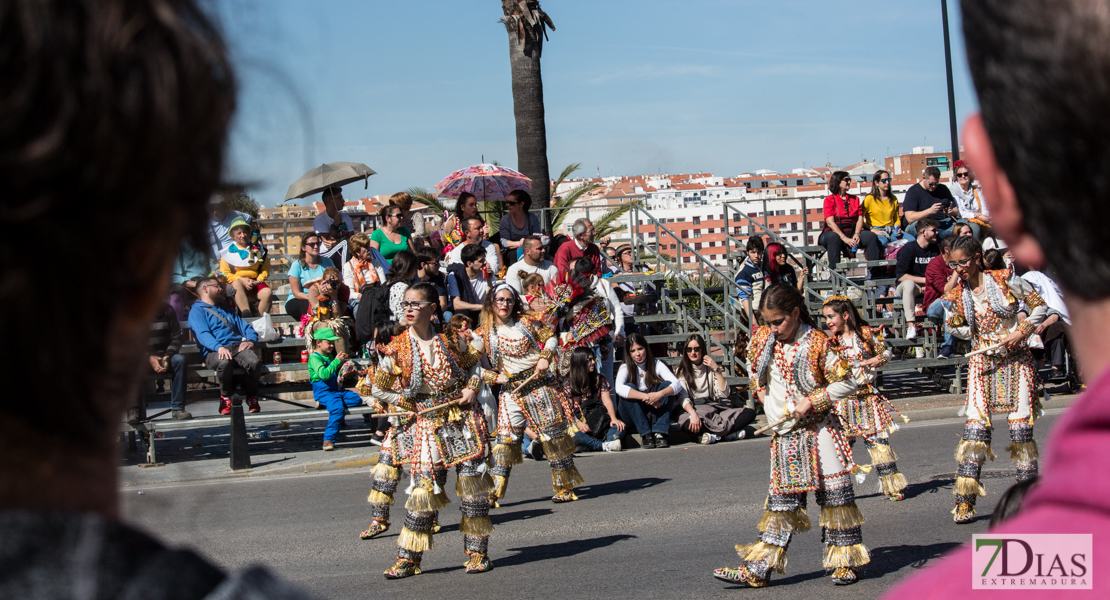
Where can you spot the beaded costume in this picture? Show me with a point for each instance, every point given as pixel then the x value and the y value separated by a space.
pixel 811 454
pixel 582 318
pixel 1002 380
pixel 867 413
pixel 413 375
pixel 538 402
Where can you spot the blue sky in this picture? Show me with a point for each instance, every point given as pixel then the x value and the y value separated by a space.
pixel 417 89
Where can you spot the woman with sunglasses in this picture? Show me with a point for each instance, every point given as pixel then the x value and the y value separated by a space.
pixel 517 224
pixel 969 199
pixel 521 348
pixel 305 271
pixel 880 209
pixel 985 309
pixel 391 238
pixel 797 375
pixel 420 371
pixel 705 408
pixel 866 413
pixel 844 223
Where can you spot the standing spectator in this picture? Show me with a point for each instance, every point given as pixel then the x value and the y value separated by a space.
pixel 750 277
pixel 409 220
pixel 165 356
pixel 939 280
pixel 581 244
pixel 913 260
pixel 625 263
pixel 778 271
pixel 225 340
pixel 705 408
pixel 532 262
pixel 303 273
pixel 587 279
pixel 466 207
pixel 600 428
pixel 187 267
pixel 969 201
pixel 220 218
pixel 391 238
pixel 246 266
pixel 429 272
pixel 928 198
pixel 468 283
pixel 359 272
pixel 880 209
pixel 401 275
pixel 844 223
pixel 473 234
pixel 334 226
pixel 323 370
pixel 518 224
pixel 648 390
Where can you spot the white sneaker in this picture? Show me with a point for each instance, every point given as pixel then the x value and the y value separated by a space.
pixel 613 446
pixel 709 438
pixel 736 435
pixel 911 331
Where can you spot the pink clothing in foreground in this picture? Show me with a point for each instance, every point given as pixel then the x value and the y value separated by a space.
pixel 1073 496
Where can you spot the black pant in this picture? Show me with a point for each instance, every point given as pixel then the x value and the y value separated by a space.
pixel 834 246
pixel 225 370
pixel 296 308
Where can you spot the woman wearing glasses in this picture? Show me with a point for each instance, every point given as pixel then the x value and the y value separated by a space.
pixel 521 348
pixel 985 309
pixel 844 223
pixel 880 209
pixel 969 199
pixel 517 224
pixel 425 376
pixel 705 397
pixel 391 238
pixel 305 271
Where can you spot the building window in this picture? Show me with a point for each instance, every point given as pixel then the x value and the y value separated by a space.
pixel 697 245
pixel 697 220
pixel 685 233
pixel 697 233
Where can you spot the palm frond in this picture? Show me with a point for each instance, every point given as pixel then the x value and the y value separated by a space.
pixel 427 198
pixel 608 223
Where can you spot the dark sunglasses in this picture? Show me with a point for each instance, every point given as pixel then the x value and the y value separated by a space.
pixel 885 180
pixel 692 349
pixel 312 244
pixel 511 203
pixel 963 175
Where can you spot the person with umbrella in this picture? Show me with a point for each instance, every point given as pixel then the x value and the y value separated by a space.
pixel 334 226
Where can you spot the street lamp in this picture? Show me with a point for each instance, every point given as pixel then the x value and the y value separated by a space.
pixel 951 92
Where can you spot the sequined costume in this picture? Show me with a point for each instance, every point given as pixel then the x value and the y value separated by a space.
pixel 811 454
pixel 413 376
pixel 1002 380
pixel 582 320
pixel 538 402
pixel 867 413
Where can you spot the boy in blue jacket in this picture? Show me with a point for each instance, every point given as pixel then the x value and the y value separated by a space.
pixel 323 371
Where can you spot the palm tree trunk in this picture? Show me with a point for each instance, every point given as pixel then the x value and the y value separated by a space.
pixel 526 35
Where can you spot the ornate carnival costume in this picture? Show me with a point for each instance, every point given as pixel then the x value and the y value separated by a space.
pixel 811 454
pixel 1001 380
pixel 413 376
pixel 582 319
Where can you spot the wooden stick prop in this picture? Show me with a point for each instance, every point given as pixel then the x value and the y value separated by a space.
pixel 773 425
pixel 419 414
pixel 984 350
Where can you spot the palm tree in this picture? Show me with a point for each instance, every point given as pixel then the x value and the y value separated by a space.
pixel 527 24
pixel 604 225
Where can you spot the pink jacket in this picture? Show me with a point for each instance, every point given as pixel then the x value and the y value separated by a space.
pixel 1073 496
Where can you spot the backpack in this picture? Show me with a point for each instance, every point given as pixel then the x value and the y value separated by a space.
pixel 373 310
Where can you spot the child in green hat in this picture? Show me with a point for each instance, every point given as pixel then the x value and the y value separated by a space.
pixel 323 370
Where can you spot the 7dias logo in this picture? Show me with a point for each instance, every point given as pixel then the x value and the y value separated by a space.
pixel 1031 561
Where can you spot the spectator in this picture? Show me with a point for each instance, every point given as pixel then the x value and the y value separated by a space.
pixel 187 267
pixel 225 340
pixel 960 230
pixel 474 233
pixel 532 262
pixel 323 371
pixel 611 253
pixel 533 294
pixel 402 274
pixel 913 260
pixel 994 260
pixel 429 271
pixel 625 263
pixel 928 198
pixel 334 226
pixel 219 224
pixel 880 209
pixel 750 277
pixel 939 280
pixel 648 390
pixel 468 283
pixel 359 272
pixel 778 271
pixel 391 238
pixel 303 273
pixel 599 429
pixel 246 266
pixel 581 245
pixel 518 224
pixel 165 357
pixel 844 223
pixel 586 278
pixel 705 407
pixel 969 201
pixel 409 220
pixel 466 207
pixel 1054 329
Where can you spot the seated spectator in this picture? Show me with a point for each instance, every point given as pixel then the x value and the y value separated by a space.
pixel 468 283
pixel 323 371
pixel 165 357
pixel 333 225
pixel 599 429
pixel 960 230
pixel 307 270
pixel 611 252
pixel 518 224
pixel 913 260
pixel 359 272
pixel 705 407
pixel 414 223
pixel 586 278
pixel 429 272
pixel 994 260
pixel 466 207
pixel 391 238
pixel 225 340
pixel 969 201
pixel 648 390
pixel 939 280
pixel 246 266
pixel 880 209
pixel 474 234
pixel 402 274
pixel 580 245
pixel 1054 329
pixel 750 278
pixel 777 270
pixel 533 294
pixel 929 199
pixel 220 218
pixel 187 267
pixel 327 307
pixel 844 224
pixel 532 262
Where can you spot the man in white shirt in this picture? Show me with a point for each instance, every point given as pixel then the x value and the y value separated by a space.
pixel 219 223
pixel 472 234
pixel 533 262
pixel 333 219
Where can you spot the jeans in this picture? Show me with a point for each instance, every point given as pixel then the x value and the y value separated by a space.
pixel 885 234
pixel 946 225
pixel 337 402
pixel 225 370
pixel 177 384
pixel 589 441
pixel 936 313
pixel 646 418
pixel 605 364
pixel 834 246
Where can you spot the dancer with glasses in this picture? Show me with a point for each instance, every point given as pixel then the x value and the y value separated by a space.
pixel 985 309
pixel 706 411
pixel 800 379
pixel 425 376
pixel 866 413
pixel 969 199
pixel 521 349
pixel 880 209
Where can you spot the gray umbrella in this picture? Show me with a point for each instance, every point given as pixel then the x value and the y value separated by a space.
pixel 332 174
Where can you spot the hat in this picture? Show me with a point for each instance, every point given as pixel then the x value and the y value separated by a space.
pixel 216 198
pixel 622 248
pixel 325 333
pixel 239 222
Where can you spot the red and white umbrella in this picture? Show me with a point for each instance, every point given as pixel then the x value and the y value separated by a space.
pixel 486 182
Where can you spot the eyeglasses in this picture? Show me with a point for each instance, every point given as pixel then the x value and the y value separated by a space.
pixel 394 216
pixel 885 180
pixel 503 300
pixel 511 203
pixel 776 322
pixel 692 349
pixel 312 245
pixel 413 305
pixel 930 184
pixel 960 263
pixel 963 175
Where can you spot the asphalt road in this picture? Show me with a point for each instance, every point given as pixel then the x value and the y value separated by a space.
pixel 650 524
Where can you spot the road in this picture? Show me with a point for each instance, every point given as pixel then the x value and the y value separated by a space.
pixel 650 524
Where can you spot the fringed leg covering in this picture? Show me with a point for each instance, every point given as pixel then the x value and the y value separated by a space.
pixel 891 482
pixel 784 516
pixel 473 489
pixel 416 536
pixel 560 455
pixel 505 455
pixel 973 451
pixel 840 523
pixel 383 484
pixel 1023 449
pixel 426 495
pixel 440 488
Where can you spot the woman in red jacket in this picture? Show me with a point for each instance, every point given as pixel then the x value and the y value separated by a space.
pixel 844 223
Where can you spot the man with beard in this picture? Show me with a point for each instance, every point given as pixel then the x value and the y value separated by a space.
pixel 226 340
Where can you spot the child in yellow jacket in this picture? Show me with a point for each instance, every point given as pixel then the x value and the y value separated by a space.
pixel 246 266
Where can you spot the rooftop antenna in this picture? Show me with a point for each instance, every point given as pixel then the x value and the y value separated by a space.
pixel 483 159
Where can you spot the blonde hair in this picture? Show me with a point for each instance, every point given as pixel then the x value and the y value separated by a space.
pixel 402 200
pixel 357 242
pixel 530 280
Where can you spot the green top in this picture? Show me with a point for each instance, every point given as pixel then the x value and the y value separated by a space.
pixel 388 248
pixel 322 367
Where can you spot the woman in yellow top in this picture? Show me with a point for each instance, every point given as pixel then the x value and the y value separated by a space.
pixel 880 209
pixel 246 266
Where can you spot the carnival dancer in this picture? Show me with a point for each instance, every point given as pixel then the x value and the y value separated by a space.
pixel 1004 378
pixel 800 379
pixel 866 413
pixel 521 349
pixel 418 371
